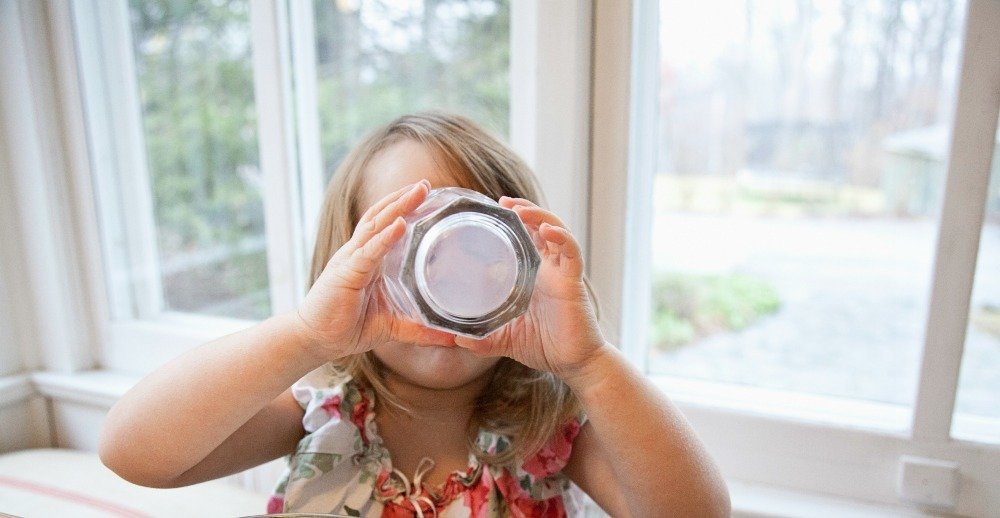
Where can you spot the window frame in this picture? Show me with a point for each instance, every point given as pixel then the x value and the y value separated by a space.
pixel 111 124
pixel 808 442
pixel 50 265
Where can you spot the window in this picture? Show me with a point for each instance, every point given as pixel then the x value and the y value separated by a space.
pixel 213 128
pixel 811 248
pixel 800 171
pixel 377 60
pixel 177 172
pixel 359 64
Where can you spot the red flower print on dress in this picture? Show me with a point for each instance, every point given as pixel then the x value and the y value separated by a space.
pixel 407 508
pixel 382 488
pixel 552 458
pixel 477 498
pixel 275 504
pixel 396 502
pixel 358 415
pixel 332 406
pixel 521 504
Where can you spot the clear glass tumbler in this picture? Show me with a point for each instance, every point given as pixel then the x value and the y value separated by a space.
pixel 466 265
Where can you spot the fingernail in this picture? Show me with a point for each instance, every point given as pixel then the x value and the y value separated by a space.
pixel 426 182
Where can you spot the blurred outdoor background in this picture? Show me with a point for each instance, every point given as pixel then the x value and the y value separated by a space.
pixel 802 158
pixel 375 60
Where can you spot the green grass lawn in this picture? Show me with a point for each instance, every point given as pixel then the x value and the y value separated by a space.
pixel 689 307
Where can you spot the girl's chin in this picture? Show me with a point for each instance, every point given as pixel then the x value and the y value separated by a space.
pixel 434 367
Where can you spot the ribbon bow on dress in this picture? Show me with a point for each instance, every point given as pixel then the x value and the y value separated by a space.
pixel 413 495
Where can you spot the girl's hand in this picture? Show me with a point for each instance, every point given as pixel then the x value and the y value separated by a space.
pixel 344 312
pixel 559 331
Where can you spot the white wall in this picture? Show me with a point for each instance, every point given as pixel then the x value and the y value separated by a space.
pixel 23 420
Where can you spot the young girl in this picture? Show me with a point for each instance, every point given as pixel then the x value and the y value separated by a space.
pixel 392 418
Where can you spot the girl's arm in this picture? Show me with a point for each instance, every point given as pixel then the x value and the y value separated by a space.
pixel 225 406
pixel 637 455
pixel 212 411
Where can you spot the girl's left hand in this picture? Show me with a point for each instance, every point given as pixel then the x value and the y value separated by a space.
pixel 559 331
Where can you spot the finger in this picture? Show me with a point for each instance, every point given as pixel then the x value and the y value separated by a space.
pixel 416 333
pixel 363 261
pixel 535 216
pixel 507 202
pixel 561 237
pixel 400 206
pixel 561 242
pixel 385 201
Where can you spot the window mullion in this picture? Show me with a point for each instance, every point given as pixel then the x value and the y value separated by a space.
pixel 962 212
pixel 111 99
pixel 623 163
pixel 303 42
pixel 550 101
pixel 278 161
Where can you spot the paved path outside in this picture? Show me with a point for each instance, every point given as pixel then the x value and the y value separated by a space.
pixel 854 298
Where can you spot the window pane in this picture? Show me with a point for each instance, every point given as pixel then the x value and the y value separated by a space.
pixel 977 409
pixel 383 58
pixel 193 61
pixel 800 175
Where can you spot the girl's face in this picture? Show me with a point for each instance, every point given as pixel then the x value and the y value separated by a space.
pixel 435 367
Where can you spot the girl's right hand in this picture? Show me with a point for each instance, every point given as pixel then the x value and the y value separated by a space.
pixel 344 313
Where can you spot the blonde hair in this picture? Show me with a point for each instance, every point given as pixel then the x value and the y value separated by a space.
pixel 526 405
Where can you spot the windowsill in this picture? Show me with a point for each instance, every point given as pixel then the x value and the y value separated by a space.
pixel 14 389
pixel 104 387
pixel 756 500
pixel 101 388
pixel 795 406
pixel 98 388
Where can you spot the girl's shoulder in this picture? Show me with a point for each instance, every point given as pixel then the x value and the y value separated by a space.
pixel 326 394
pixel 540 476
pixel 553 457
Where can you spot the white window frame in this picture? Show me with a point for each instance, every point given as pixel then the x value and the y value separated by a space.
pixel 832 446
pixel 101 61
pixel 42 147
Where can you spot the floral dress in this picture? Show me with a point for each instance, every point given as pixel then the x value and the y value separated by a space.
pixel 341 466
